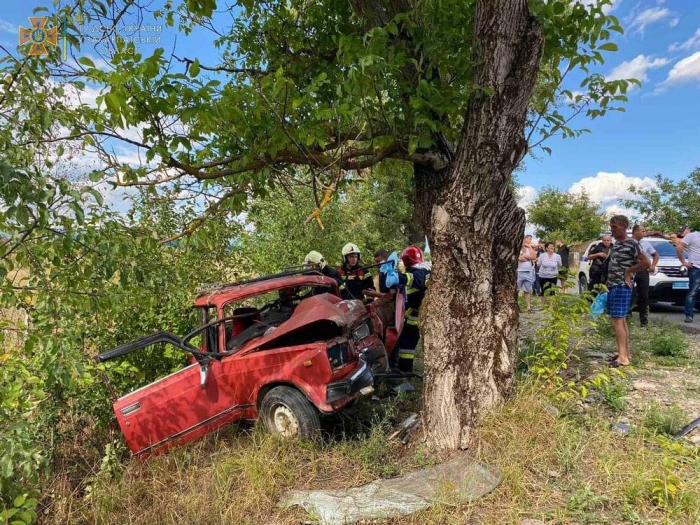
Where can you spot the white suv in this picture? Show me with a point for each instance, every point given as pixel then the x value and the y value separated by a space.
pixel 670 282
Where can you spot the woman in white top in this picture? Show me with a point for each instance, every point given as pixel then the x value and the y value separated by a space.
pixel 548 264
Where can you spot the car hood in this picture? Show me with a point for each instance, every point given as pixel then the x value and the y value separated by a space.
pixel 323 307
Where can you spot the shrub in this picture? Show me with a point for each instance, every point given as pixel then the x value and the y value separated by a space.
pixel 669 343
pixel 664 420
pixel 613 393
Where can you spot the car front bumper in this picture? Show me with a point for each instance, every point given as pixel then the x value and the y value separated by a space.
pixel 664 292
pixel 361 379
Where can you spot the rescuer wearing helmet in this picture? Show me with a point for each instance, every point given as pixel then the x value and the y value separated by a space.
pixel 316 261
pixel 415 280
pixel 354 277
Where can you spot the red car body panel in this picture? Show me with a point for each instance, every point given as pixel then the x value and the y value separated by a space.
pixel 181 407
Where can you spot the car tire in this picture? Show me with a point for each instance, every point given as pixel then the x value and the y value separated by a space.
pixel 286 412
pixel 582 284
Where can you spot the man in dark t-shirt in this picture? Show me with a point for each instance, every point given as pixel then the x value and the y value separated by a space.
pixel 598 255
pixel 563 251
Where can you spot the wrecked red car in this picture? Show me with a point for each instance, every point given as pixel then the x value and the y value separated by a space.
pixel 284 348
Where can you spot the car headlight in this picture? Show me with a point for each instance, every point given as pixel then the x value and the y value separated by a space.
pixel 361 332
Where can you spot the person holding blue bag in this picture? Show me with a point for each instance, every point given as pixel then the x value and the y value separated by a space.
pixel 626 258
pixel 415 280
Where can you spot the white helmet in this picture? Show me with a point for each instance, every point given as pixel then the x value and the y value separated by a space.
pixel 350 248
pixel 314 258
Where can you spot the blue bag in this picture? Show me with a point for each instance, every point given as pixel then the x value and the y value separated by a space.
pixel 599 305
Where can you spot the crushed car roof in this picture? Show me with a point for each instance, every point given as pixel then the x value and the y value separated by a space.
pixel 227 293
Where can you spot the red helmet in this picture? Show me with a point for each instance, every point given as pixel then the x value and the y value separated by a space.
pixel 411 255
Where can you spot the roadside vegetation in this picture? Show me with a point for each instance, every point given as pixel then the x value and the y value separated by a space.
pixel 555 441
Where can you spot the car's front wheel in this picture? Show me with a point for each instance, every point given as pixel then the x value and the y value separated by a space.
pixel 582 284
pixel 286 412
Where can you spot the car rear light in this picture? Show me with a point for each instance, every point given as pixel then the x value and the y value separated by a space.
pixel 338 355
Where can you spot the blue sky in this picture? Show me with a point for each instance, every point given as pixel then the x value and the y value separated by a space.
pixel 659 132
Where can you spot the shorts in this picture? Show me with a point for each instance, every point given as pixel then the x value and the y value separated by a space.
pixel 563 273
pixel 525 282
pixel 548 283
pixel 619 299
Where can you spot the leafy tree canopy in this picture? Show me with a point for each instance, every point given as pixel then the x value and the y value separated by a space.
pixel 571 216
pixel 329 85
pixel 670 204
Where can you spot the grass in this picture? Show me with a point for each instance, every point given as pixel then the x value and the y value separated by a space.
pixel 565 466
pixel 613 394
pixel 567 469
pixel 664 420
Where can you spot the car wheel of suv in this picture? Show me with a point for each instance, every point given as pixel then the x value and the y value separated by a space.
pixel 582 284
pixel 286 412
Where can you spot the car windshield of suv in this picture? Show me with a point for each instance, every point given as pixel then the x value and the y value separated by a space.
pixel 666 249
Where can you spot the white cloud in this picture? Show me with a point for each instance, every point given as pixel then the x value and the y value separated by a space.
pixel 649 16
pixel 674 22
pixel 685 71
pixel 606 188
pixel 606 9
pixel 636 68
pixel 691 43
pixel 526 196
pixel 8 27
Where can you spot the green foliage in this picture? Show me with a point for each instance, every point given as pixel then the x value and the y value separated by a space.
pixel 613 394
pixel 664 489
pixel 549 352
pixel 328 84
pixel 664 420
pixel 374 214
pixel 571 216
pixel 97 282
pixel 670 204
pixel 669 343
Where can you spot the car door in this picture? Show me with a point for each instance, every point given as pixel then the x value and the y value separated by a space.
pixel 178 408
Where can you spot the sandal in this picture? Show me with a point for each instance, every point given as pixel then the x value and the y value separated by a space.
pixel 613 357
pixel 616 364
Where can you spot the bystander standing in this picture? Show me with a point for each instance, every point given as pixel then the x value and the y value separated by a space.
pixel 548 264
pixel 599 255
pixel 563 252
pixel 626 258
pixel 525 274
pixel 641 278
pixel 690 241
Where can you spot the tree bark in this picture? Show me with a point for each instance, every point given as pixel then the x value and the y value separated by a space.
pixel 474 226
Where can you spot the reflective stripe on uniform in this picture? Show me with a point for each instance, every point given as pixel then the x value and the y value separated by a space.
pixel 412 320
pixel 409 280
pixel 406 354
pixel 411 290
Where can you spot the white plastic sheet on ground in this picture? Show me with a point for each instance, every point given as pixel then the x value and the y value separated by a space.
pixel 459 480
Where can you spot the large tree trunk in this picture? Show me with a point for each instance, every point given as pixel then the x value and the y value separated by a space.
pixel 474 226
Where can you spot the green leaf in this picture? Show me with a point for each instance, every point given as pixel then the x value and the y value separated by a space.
pixel 610 46
pixel 113 102
pixel 194 68
pixel 19 500
pixel 412 145
pixel 86 62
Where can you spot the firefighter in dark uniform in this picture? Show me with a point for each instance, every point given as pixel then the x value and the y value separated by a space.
pixel 415 280
pixel 354 277
pixel 314 259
